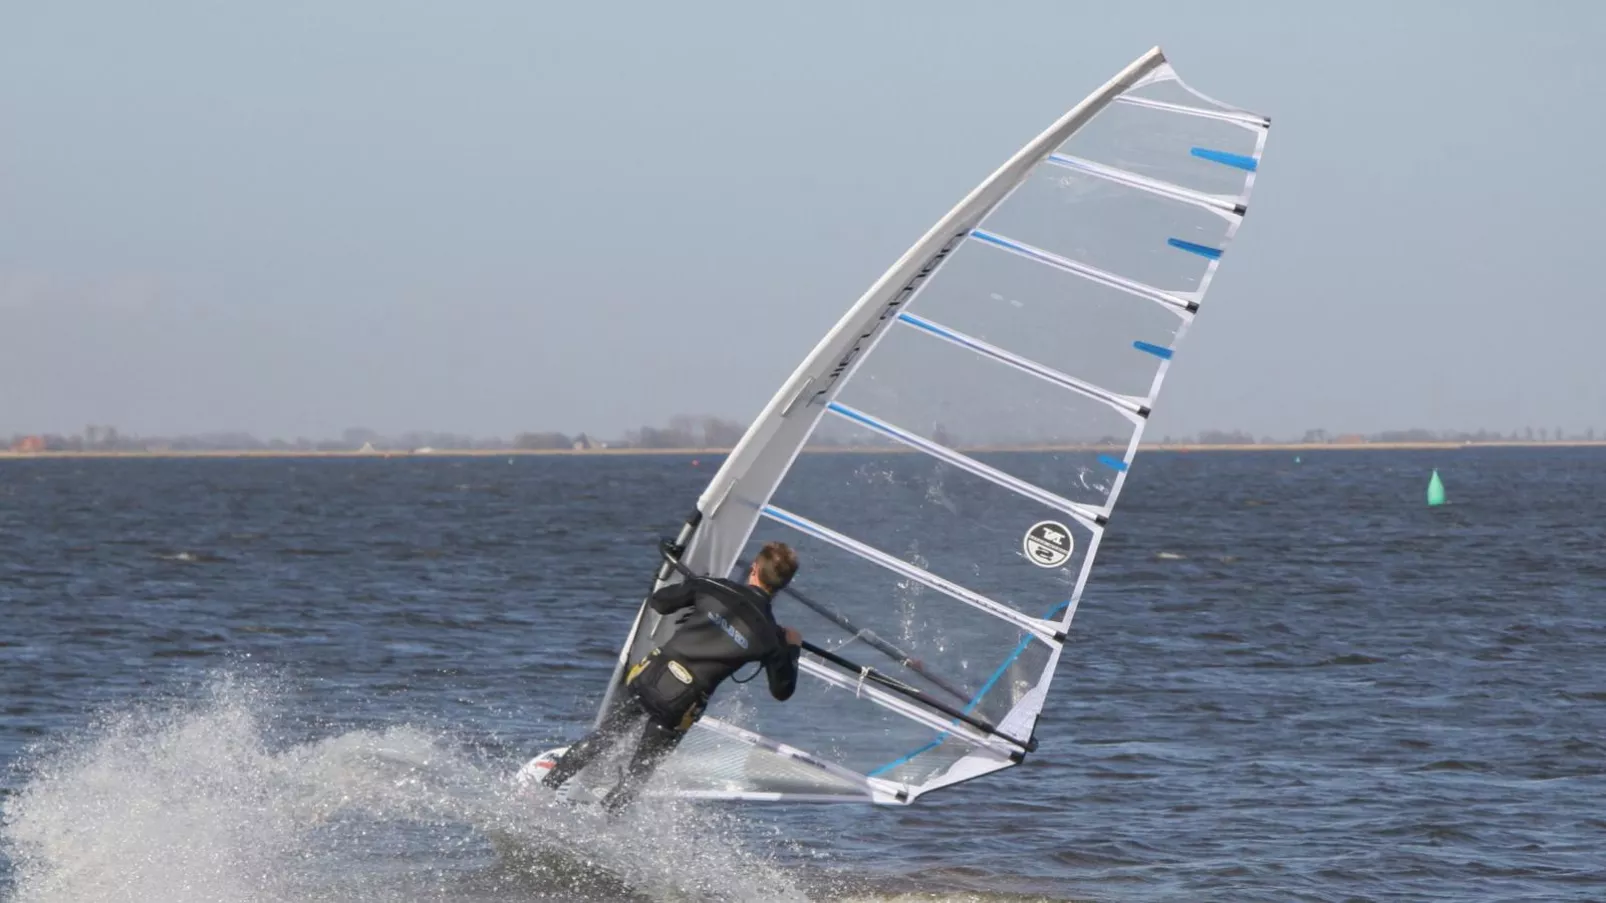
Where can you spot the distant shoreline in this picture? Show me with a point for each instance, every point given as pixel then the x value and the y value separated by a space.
pixel 719 452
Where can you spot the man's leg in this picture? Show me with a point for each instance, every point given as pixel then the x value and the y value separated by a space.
pixel 657 742
pixel 619 721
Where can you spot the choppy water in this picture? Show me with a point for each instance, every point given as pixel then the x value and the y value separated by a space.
pixel 1288 682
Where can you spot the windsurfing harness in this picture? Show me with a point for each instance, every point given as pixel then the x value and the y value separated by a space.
pixel 729 625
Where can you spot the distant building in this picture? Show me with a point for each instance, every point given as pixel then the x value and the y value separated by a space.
pixel 582 442
pixel 29 445
pixel 1350 439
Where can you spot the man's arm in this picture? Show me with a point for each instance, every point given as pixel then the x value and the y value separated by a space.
pixel 673 597
pixel 781 666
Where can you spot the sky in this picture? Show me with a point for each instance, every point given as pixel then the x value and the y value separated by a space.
pixel 298 217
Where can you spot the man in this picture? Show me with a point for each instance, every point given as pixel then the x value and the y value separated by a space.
pixel 729 625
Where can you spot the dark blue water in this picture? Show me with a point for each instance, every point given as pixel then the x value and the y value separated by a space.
pixel 1287 682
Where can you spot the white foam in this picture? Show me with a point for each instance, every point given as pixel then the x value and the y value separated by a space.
pixel 193 800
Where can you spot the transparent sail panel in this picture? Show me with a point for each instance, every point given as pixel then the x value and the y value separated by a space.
pixel 957 645
pixel 956 524
pixel 1055 318
pixel 1117 228
pixel 966 400
pixel 1207 155
pixel 711 763
pixel 958 650
pixel 924 763
pixel 962 657
pixel 1171 90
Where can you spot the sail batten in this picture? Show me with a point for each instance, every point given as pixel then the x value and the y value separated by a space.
pixel 1092 517
pixel 1225 206
pixel 1095 274
pixel 1131 406
pixel 1245 119
pixel 1042 363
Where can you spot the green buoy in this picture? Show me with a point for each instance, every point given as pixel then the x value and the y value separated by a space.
pixel 1435 490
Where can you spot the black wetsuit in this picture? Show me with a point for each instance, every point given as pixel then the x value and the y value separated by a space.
pixel 729 625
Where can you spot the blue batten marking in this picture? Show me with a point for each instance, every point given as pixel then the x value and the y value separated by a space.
pixel 1159 351
pixel 772 511
pixel 854 416
pixel 1011 245
pixel 990 238
pixel 1116 463
pixel 1240 161
pixel 906 757
pixel 928 326
pixel 1202 250
pixel 1020 649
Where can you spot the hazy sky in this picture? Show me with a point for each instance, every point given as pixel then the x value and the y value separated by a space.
pixel 291 218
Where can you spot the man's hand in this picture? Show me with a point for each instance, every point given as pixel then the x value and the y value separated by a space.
pixel 793 638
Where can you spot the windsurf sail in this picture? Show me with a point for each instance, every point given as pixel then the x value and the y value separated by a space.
pixel 948 457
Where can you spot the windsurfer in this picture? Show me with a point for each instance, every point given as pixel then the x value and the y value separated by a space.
pixel 729 625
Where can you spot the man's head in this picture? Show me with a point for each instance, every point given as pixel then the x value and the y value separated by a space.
pixel 773 567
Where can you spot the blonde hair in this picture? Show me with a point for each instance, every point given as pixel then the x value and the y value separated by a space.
pixel 775 565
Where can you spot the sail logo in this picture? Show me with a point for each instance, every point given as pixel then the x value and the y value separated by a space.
pixel 887 312
pixel 735 635
pixel 1048 544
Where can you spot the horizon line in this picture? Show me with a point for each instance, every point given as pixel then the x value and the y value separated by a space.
pixel 693 451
